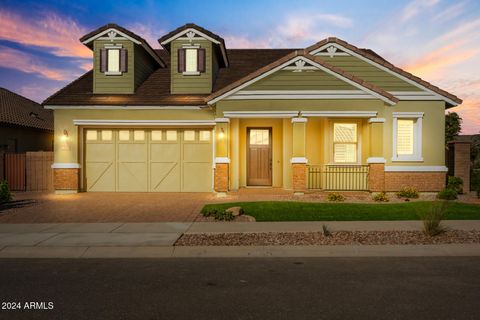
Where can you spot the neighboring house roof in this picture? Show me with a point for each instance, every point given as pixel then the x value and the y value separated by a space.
pixel 172 35
pixel 342 74
pixel 156 89
pixel 467 138
pixel 373 56
pixel 20 111
pixel 89 37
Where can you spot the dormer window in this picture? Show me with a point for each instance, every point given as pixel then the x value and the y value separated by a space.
pixel 191 60
pixel 113 60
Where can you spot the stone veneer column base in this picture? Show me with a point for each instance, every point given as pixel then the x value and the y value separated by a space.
pixel 376 177
pixel 221 177
pixel 299 181
pixel 422 181
pixel 65 180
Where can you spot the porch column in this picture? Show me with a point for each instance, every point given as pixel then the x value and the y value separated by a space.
pixel 222 160
pixel 299 160
pixel 376 160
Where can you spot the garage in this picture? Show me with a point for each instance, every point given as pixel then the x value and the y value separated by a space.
pixel 148 160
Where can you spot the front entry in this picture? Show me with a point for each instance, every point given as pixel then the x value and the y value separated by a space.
pixel 259 156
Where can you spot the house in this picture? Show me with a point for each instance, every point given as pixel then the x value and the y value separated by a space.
pixel 196 116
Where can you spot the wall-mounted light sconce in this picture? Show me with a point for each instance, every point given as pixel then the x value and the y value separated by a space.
pixel 64 136
pixel 221 134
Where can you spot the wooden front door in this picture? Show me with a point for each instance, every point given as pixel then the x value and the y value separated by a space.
pixel 259 156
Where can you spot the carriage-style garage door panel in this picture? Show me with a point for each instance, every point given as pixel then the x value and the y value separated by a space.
pixel 148 160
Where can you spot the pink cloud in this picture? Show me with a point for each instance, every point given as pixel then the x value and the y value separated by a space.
pixel 18 60
pixel 58 34
pixel 147 32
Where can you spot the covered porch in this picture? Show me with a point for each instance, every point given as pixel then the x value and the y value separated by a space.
pixel 299 150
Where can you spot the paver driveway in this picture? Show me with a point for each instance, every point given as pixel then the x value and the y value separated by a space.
pixel 105 207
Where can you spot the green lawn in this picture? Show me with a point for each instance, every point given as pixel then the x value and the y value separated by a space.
pixel 308 211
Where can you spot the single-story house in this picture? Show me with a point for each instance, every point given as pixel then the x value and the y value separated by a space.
pixel 196 116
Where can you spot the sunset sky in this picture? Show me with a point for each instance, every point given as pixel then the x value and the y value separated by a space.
pixel 438 40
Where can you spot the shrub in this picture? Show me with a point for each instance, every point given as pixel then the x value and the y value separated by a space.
pixel 447 194
pixel 380 197
pixel 5 195
pixel 334 196
pixel 455 183
pixel 432 220
pixel 408 193
pixel 326 231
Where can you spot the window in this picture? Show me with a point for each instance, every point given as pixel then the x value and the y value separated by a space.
pixel 138 135
pixel 259 136
pixel 171 135
pixel 113 60
pixel 191 60
pixel 124 135
pixel 204 135
pixel 189 135
pixel 345 142
pixel 106 135
pixel 156 135
pixel 91 135
pixel 407 136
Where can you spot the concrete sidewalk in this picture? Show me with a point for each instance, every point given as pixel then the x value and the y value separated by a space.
pixel 122 240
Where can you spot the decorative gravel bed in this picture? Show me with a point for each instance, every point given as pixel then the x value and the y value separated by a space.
pixel 317 238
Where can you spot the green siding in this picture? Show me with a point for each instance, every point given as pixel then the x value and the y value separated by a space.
pixel 306 80
pixel 195 83
pixel 113 84
pixel 144 65
pixel 369 73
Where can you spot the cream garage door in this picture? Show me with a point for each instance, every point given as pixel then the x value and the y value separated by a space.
pixel 148 160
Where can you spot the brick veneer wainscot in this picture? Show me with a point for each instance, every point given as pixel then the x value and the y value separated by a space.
pixel 221 177
pixel 299 181
pixel 65 179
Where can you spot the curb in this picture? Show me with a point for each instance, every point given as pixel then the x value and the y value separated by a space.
pixel 449 250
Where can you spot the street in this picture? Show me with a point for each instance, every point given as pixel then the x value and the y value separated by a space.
pixel 293 288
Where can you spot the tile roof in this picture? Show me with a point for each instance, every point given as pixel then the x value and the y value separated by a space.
pixel 20 111
pixel 156 89
pixel 373 56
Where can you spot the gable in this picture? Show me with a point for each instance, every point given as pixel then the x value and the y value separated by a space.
pixel 300 76
pixel 369 73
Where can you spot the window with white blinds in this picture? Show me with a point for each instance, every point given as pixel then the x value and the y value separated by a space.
pixel 345 142
pixel 405 131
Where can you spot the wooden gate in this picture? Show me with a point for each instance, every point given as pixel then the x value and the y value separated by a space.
pixel 15 165
pixel 31 171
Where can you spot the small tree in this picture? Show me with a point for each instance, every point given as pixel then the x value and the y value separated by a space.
pixel 453 126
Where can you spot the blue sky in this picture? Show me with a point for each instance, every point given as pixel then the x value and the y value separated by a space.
pixel 434 39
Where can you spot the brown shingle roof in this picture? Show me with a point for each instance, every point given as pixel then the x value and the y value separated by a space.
pixel 302 53
pixel 127 32
pixel 156 89
pixel 371 55
pixel 20 111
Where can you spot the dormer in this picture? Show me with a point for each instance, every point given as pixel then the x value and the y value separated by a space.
pixel 196 55
pixel 122 60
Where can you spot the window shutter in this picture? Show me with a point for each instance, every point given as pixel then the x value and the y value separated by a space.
pixel 103 60
pixel 181 60
pixel 123 60
pixel 201 60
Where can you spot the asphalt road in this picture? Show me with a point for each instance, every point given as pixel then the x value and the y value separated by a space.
pixel 323 288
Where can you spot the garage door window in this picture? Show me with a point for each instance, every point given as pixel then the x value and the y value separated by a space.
pixel 107 135
pixel 189 135
pixel 124 135
pixel 138 135
pixel 204 135
pixel 156 135
pixel 91 135
pixel 171 135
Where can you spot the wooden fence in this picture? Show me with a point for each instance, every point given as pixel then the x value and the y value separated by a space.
pixel 31 171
